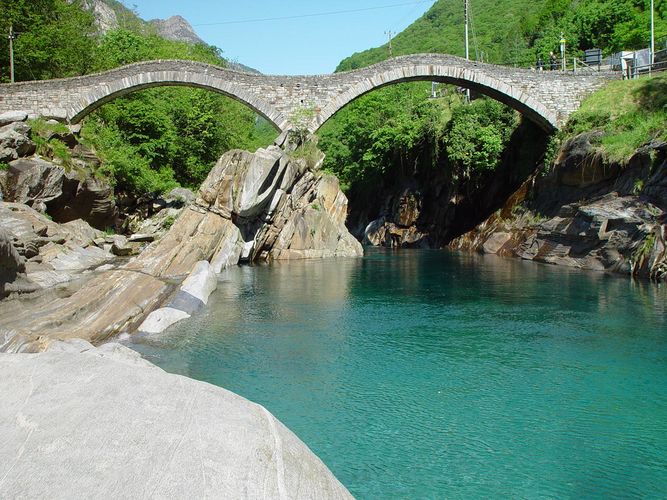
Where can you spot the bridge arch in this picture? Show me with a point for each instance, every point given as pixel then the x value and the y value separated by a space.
pixel 142 76
pixel 547 98
pixel 474 79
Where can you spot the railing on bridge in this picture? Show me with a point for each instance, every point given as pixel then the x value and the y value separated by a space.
pixel 630 64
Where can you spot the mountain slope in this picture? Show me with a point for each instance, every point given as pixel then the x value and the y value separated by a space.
pixel 441 30
pixel 518 31
pixel 176 28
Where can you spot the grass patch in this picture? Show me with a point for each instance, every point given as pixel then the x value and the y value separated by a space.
pixel 4 166
pixel 309 152
pixel 42 128
pixel 631 113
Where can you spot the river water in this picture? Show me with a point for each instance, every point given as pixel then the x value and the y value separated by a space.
pixel 429 374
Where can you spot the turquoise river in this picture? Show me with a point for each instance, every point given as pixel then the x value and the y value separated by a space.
pixel 430 374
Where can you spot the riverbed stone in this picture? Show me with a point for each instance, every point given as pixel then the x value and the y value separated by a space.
pixel 201 282
pixel 102 423
pixel 161 319
pixel 12 116
pixel 183 301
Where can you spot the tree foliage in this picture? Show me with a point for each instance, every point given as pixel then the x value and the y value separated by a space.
pixel 519 31
pixel 399 129
pixel 476 136
pixel 151 140
pixel 54 39
pixel 177 133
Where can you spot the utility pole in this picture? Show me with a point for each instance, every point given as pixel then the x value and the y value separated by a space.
pixel 652 35
pixel 389 34
pixel 466 6
pixel 11 53
pixel 465 16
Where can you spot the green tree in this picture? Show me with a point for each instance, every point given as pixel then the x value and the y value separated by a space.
pixel 55 38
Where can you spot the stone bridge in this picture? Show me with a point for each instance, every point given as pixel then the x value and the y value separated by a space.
pixel 547 97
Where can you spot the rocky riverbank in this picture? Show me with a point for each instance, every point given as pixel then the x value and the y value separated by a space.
pixel 253 207
pixel 427 204
pixel 587 213
pixel 103 422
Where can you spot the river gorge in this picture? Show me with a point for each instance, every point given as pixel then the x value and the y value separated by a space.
pixel 412 373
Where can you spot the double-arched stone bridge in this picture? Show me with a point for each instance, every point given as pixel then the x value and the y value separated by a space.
pixel 547 98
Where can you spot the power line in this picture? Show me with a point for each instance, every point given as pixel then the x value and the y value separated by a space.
pixel 318 14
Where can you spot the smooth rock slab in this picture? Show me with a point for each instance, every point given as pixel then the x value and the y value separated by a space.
pixel 12 116
pixel 99 424
pixel 161 319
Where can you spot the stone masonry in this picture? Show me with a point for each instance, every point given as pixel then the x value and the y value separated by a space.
pixel 546 97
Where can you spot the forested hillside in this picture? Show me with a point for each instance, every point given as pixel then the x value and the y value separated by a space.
pixel 400 140
pixel 149 141
pixel 392 127
pixel 518 31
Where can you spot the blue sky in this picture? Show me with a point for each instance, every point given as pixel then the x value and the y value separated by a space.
pixel 307 45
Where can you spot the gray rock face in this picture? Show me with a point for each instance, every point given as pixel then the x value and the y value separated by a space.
pixel 12 267
pixel 283 209
pixel 15 142
pixel 182 195
pixel 105 16
pixel 399 227
pixel 54 253
pixel 618 222
pixel 12 116
pixel 296 214
pixel 80 422
pixel 46 186
pixel 192 296
pixel 176 28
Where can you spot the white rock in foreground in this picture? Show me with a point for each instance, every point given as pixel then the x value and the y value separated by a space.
pixel 104 423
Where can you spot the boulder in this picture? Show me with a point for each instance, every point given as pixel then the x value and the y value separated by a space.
pixel 33 181
pixel 122 247
pixel 90 199
pixel 12 265
pixel 12 116
pixel 80 233
pixel 243 183
pixel 201 282
pixel 102 422
pixel 47 187
pixel 398 226
pixel 141 238
pixel 57 253
pixel 180 195
pixel 161 319
pixel 229 251
pixel 15 142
